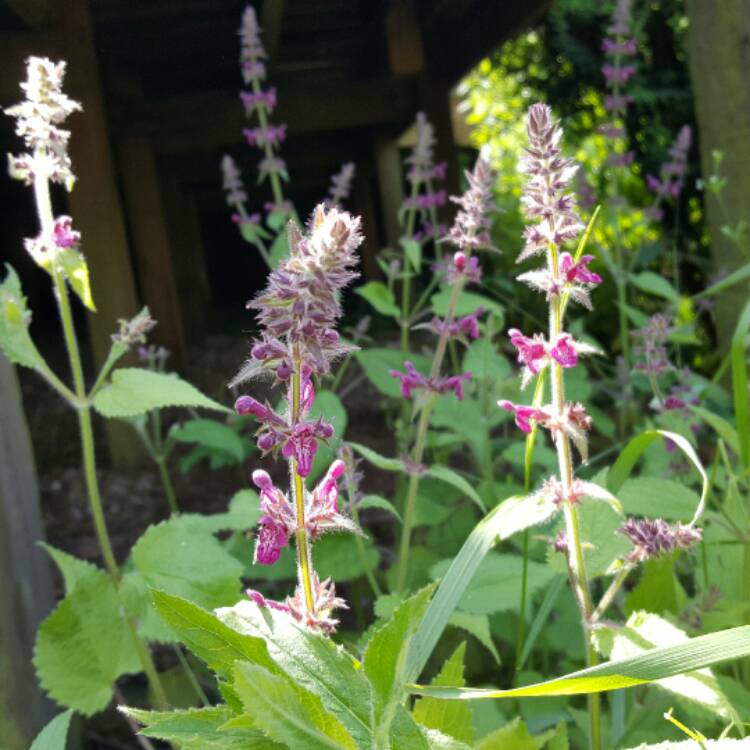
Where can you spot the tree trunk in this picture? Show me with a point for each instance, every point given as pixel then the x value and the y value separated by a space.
pixel 719 49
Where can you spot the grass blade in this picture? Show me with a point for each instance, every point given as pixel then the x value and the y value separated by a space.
pixel 739 384
pixel 655 664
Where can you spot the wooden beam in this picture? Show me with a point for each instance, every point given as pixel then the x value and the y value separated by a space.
pixel 213 121
pixel 405 52
pixel 271 22
pixel 33 13
pixel 151 245
pixel 390 186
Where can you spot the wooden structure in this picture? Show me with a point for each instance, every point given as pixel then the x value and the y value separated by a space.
pixel 159 81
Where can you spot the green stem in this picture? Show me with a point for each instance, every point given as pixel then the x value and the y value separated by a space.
pixel 190 674
pixel 420 442
pixel 304 555
pixel 411 218
pixel 575 558
pixel 82 404
pixel 166 481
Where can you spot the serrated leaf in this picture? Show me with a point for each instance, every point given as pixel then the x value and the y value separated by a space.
pixel 279 248
pixel 513 736
pixel 312 661
pixel 134 391
pixel 200 729
pixel 376 501
pixel 85 645
pixel 449 476
pixel 72 568
pixel 76 271
pixel 479 627
pixel 175 557
pixel 656 664
pixel 208 637
pixel 380 297
pixel 485 362
pixel 405 733
pixel 213 435
pixel 15 318
pixel 508 518
pixel 496 584
pixel 288 713
pixel 385 657
pixel 54 736
pixel 336 557
pixel 382 462
pixel 377 364
pixel 434 713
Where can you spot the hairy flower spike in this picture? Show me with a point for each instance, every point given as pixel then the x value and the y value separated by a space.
pixel 38 118
pixel 341 186
pixel 654 538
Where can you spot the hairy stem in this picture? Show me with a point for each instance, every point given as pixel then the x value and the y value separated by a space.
pixel 420 442
pixel 304 555
pixel 575 558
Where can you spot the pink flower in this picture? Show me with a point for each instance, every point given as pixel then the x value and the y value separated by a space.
pixel 531 351
pixel 302 443
pixel 63 234
pixel 578 272
pixel 271 540
pixel 410 380
pixel 524 414
pixel 564 351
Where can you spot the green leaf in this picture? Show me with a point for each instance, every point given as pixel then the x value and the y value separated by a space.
pixel 653 283
pixel 328 406
pixel 740 383
pixel 723 744
pixel 134 391
pixel 385 657
pixel 656 664
pixel 479 627
pixel 467 303
pixel 484 361
pixel 219 645
pixel 382 462
pixel 643 632
pixel 413 251
pixel 313 661
pixel 85 645
pixel 380 297
pixel 336 557
pixel 72 568
pixel 213 435
pixel 447 475
pixel 722 428
pixel 405 733
pixel 280 248
pixel 442 715
pixel 658 498
pixel 377 364
pixel 513 736
pixel 630 454
pixel 511 516
pixel 76 271
pixel 15 318
pixel 54 736
pixel 376 501
pixel 496 584
pixel 178 558
pixel 200 729
pixel 735 277
pixel 288 713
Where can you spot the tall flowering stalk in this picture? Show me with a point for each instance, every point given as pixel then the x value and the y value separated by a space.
pixel 259 103
pixel 297 313
pixel 563 278
pixel 341 186
pixel 56 249
pixel 419 214
pixel 469 233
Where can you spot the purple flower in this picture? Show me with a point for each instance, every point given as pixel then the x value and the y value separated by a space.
pixel 654 538
pixel 63 235
pixel 341 185
pixel 467 326
pixel 532 352
pixel 564 351
pixel 412 380
pixel 578 272
pixel 252 100
pixel 524 414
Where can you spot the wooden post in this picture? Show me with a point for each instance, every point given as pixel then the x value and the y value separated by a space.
pixel 193 291
pixel 364 205
pixel 97 210
pixel 25 583
pixel 153 254
pixel 390 185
